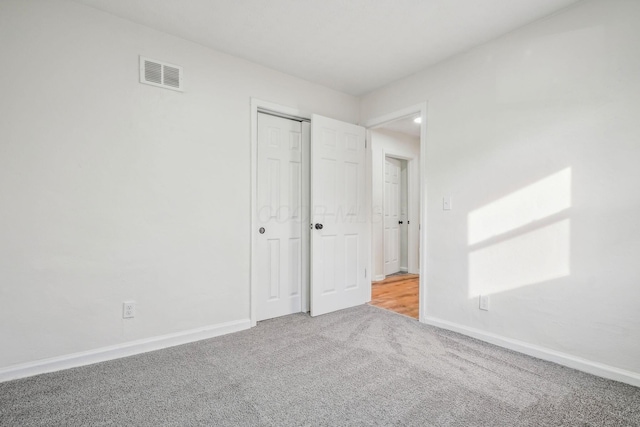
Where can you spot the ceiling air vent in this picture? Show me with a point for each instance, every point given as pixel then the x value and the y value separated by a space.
pixel 158 73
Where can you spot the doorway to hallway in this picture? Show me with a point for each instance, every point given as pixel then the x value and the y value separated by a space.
pixel 396 202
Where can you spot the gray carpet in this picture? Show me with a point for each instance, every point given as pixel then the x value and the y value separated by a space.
pixel 358 367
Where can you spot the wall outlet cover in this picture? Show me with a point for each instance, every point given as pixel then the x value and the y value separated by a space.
pixel 128 309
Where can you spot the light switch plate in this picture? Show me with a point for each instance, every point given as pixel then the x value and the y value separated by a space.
pixel 484 302
pixel 447 204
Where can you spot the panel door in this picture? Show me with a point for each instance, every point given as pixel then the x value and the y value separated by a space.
pixel 279 211
pixel 339 237
pixel 392 215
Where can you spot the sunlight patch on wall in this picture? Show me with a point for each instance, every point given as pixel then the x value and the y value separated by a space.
pixel 537 256
pixel 531 203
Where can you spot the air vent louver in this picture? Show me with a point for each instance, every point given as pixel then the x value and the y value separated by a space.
pixel 161 74
pixel 152 72
pixel 171 76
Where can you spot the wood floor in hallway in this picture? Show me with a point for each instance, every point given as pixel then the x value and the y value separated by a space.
pixel 397 293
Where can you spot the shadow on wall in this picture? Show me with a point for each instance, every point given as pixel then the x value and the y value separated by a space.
pixel 521 239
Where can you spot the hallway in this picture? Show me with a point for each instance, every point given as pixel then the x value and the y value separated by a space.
pixel 397 293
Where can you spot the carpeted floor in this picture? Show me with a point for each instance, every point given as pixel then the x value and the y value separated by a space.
pixel 358 367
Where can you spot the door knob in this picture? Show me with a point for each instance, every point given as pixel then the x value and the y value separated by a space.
pixel 400 222
pixel 262 230
pixel 319 226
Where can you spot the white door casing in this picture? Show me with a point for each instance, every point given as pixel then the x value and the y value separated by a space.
pixel 392 215
pixel 339 249
pixel 280 194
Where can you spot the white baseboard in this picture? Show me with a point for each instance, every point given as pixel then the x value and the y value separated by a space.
pixel 564 359
pixel 379 278
pixel 120 350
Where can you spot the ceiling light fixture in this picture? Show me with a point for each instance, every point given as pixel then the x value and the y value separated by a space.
pixel 417 120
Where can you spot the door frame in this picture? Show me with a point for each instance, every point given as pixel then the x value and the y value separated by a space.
pixel 371 124
pixel 294 113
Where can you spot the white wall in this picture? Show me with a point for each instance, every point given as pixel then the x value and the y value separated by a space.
pixel 399 145
pixel 112 190
pixel 557 100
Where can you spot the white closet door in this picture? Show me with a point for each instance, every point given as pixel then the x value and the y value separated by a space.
pixel 280 217
pixel 339 217
pixel 391 215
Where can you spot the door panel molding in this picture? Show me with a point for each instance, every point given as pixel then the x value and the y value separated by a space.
pixel 280 224
pixel 391 205
pixel 340 214
pixel 285 112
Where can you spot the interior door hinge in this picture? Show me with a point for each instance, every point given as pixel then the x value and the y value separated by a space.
pixel 365 273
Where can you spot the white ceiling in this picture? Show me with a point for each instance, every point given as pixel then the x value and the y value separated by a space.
pixel 354 46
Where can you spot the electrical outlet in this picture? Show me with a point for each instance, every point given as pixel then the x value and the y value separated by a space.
pixel 128 309
pixel 484 302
